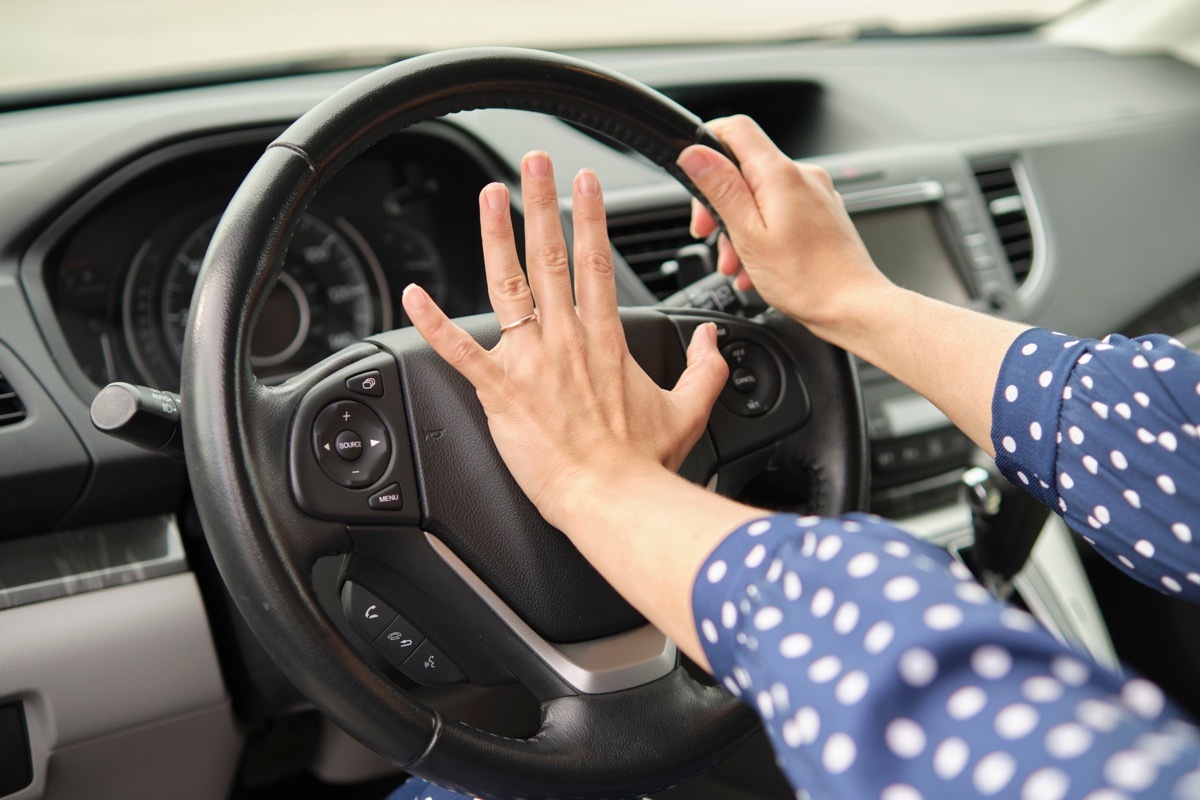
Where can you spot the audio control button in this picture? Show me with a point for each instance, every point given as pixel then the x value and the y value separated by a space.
pixel 351 444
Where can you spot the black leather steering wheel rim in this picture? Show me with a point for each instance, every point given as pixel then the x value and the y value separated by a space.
pixel 237 431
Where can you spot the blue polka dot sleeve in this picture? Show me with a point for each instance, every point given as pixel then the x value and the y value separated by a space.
pixel 417 789
pixel 1105 434
pixel 881 669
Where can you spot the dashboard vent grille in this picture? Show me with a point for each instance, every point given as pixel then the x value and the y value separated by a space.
pixel 648 242
pixel 1008 211
pixel 11 410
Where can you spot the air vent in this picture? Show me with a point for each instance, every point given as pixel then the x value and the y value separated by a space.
pixel 11 410
pixel 648 242
pixel 1009 213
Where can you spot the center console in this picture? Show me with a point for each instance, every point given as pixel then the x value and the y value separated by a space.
pixel 966 233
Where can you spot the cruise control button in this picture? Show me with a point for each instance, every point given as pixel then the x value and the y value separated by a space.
pixel 744 380
pixel 349 445
pixel 430 666
pixel 368 383
pixel 754 383
pixel 736 354
pixel 390 499
pixel 368 615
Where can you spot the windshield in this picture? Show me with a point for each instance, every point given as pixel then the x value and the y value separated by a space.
pixel 56 44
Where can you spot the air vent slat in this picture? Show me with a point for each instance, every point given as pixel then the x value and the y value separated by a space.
pixel 1009 212
pixel 1018 250
pixel 989 180
pixel 1013 230
pixel 650 239
pixel 11 410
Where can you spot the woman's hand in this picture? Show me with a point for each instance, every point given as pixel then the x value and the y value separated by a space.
pixel 791 236
pixel 565 401
pixel 794 240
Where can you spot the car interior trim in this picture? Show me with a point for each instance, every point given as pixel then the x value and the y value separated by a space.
pixel 909 194
pixel 1038 273
pixel 88 559
pixel 609 664
pixel 1057 591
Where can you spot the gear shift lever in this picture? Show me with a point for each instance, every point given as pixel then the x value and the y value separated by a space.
pixel 1007 522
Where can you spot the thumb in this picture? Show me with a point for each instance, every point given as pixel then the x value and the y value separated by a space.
pixel 724 187
pixel 698 386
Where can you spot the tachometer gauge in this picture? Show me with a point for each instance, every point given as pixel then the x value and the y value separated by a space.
pixel 330 294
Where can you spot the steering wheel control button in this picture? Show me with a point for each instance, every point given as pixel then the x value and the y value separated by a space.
pixel 390 499
pixel 351 444
pixel 399 641
pixel 368 615
pixel 744 380
pixel 368 383
pixel 754 383
pixel 430 666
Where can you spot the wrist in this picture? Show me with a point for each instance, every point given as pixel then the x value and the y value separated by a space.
pixel 857 315
pixel 587 494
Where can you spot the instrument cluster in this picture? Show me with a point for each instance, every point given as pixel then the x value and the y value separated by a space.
pixel 121 280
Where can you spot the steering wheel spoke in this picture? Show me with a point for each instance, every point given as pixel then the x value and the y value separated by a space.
pixel 349 454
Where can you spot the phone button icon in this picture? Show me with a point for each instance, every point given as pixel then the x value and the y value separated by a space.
pixel 368 615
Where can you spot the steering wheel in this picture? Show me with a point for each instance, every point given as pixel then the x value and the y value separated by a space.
pixel 381 453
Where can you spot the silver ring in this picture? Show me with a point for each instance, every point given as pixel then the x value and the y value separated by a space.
pixel 522 321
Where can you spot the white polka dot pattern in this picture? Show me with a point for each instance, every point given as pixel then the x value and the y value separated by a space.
pixel 1127 469
pixel 915 682
pixel 865 629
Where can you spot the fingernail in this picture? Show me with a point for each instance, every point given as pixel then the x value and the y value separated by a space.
pixel 414 296
pixel 495 196
pixel 537 164
pixel 589 184
pixel 711 331
pixel 695 161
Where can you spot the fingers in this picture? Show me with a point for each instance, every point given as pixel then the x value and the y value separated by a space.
pixel 507 287
pixel 595 287
pixel 723 185
pixel 728 261
pixel 545 247
pixel 706 373
pixel 449 341
pixel 702 226
pixel 703 223
pixel 760 159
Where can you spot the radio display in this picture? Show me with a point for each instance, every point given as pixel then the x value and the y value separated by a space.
pixel 906 246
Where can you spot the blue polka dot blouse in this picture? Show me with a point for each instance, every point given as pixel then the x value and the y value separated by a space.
pixel 882 669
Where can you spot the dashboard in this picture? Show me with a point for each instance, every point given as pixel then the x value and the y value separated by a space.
pixel 1016 177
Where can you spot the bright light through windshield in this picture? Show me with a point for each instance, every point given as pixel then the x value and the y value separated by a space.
pixel 56 43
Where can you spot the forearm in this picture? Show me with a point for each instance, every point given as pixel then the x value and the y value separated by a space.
pixel 648 532
pixel 950 355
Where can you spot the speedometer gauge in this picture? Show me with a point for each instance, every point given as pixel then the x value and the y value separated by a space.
pixel 330 294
